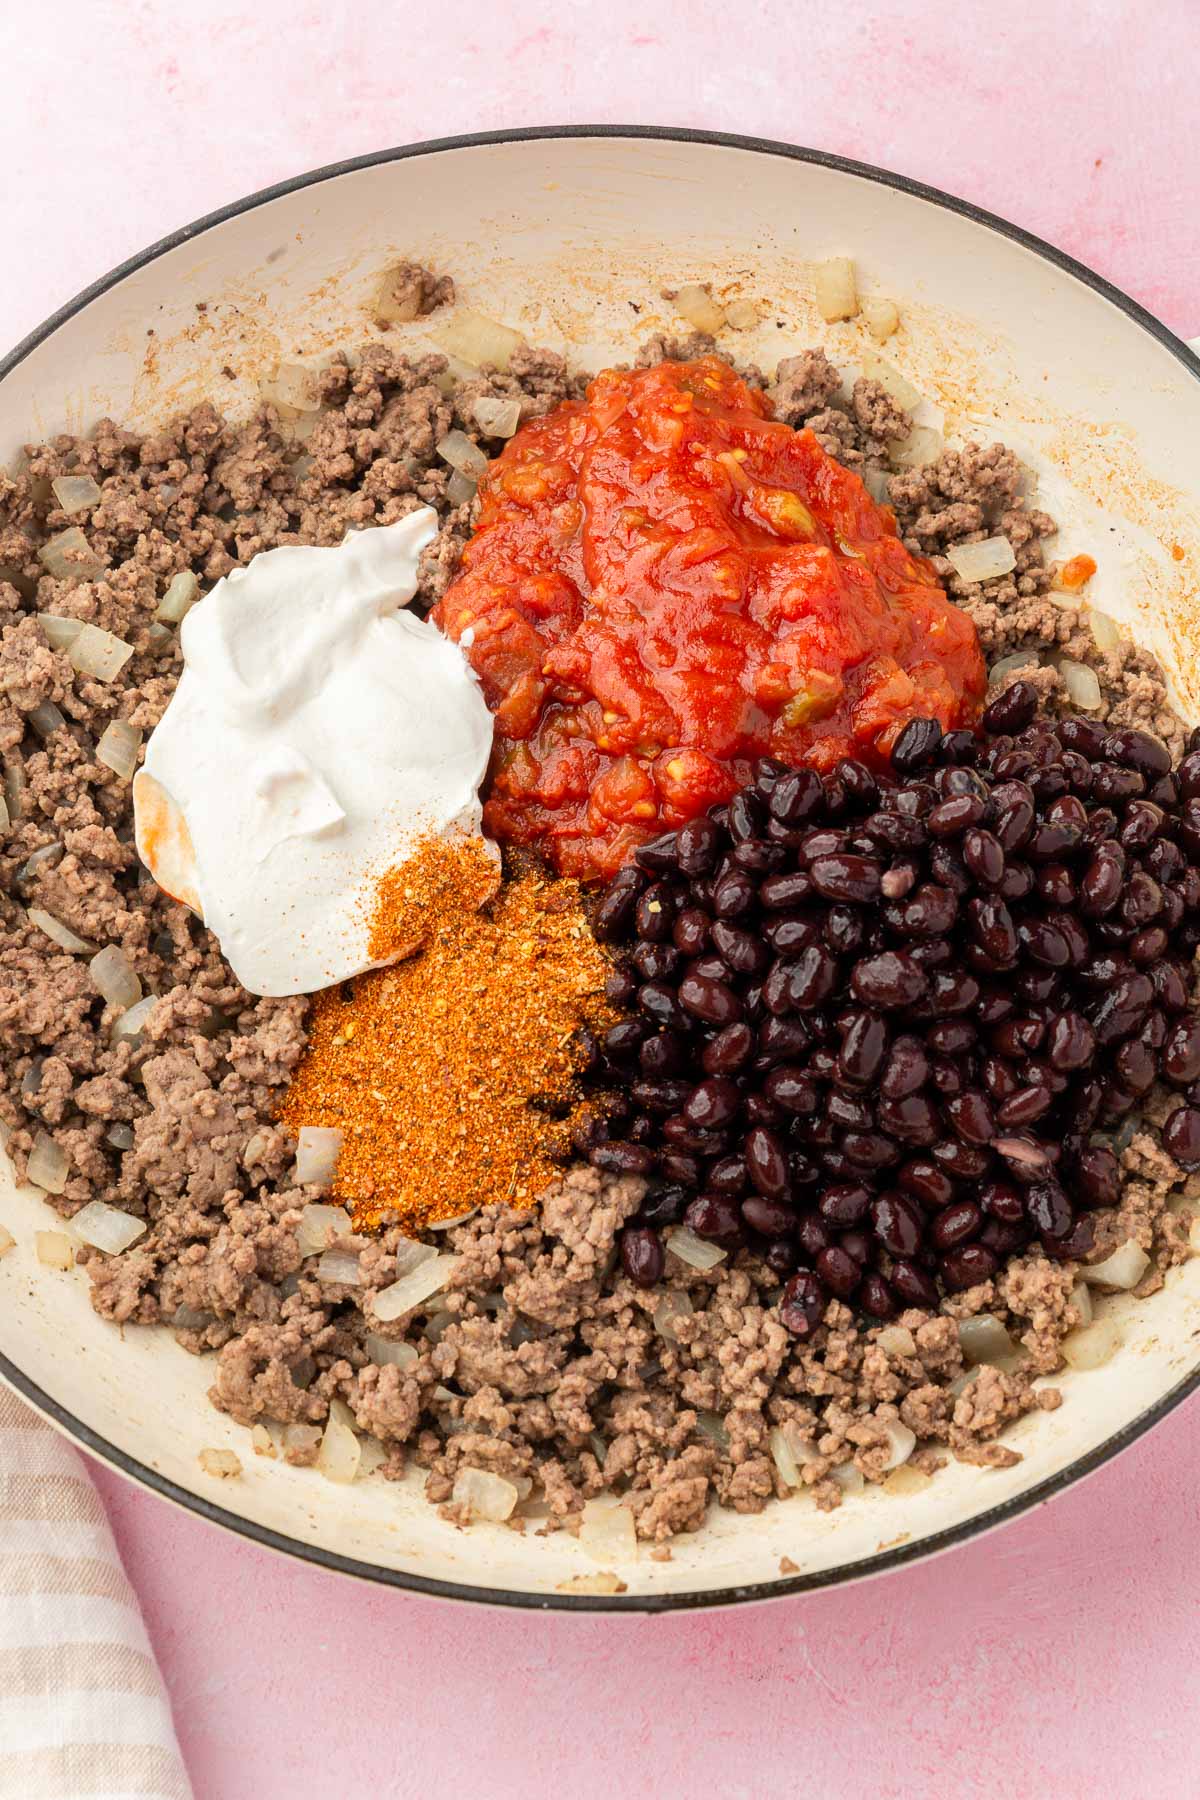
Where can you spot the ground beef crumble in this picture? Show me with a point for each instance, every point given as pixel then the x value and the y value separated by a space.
pixel 539 1361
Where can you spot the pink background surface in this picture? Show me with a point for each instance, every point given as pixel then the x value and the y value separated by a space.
pixel 1062 1652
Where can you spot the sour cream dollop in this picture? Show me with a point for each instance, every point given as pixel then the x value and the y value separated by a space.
pixel 318 730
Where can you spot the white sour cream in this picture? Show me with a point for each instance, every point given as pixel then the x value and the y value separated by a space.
pixel 317 731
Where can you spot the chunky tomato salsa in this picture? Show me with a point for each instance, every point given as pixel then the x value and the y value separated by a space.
pixel 665 584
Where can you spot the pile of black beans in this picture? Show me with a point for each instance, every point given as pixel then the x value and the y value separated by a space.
pixel 881 1027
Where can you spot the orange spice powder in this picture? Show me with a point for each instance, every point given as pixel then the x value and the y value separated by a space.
pixel 452 1074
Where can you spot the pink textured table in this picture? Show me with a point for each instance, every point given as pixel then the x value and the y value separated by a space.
pixel 1060 1653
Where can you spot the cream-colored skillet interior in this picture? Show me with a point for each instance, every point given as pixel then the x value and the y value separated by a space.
pixel 572 239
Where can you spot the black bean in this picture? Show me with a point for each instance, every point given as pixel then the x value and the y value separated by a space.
pixel 1139 750
pixel 913 1119
pixel 813 977
pixel 889 980
pixel 1049 1209
pixel 780 891
pixel 923 1179
pixel 813 1235
pixel 715 1217
pixel 951 1037
pixel 1023 1108
pixel 766 1162
pixel 713 1001
pixel 789 933
pixel 864 1047
pixel 952 991
pixel 956 1224
pixel 929 912
pixel 660 855
pixel 660 1096
pixel 770 1217
pixel 1181 1137
pixel 712 1104
pixel 897 1223
pixel 1082 735
pixel 1181 1052
pixel 1096 1177
pixel 993 929
pixel 972 1117
pixel 967 1266
pixel 839 1271
pixel 614 915
pixel 659 1003
pixel 845 1203
pixel 620 1158
pixel 916 745
pixel 654 915
pixel 1012 710
pixel 845 877
pixel 792 1089
pixel 802 1307
pixel 733 894
pixel 965 1162
pixel 1001 1200
pixel 1135 1066
pixel 1122 1008
pixel 1044 943
pixel 697 845
pixel 797 797
pixel 642 1255
pixel 914 1286
pixel 656 962
pixel 1170 987
pixel 861 787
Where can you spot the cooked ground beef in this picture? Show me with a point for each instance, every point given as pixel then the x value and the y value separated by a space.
pixel 540 1360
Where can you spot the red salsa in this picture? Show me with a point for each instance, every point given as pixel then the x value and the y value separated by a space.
pixel 665 584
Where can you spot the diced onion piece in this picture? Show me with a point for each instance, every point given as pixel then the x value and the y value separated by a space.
pixel 784 1457
pixel 75 493
pixel 1194 1237
pixel 49 1164
pixel 320 1227
pixel 263 1442
pixel 397 298
pixel 190 1318
pixel 130 1026
pixel 159 638
pixel 485 1496
pixel 340 1453
pixel 292 390
pixel 317 1151
pixel 301 1437
pixel 382 1351
pixel 182 593
pixel 694 1250
pixel 1082 684
pixel 410 1254
pixel 673 1305
pixel 962 1382
pixel 449 1224
pixel 59 630
pixel 982 562
pixel 1106 633
pixel 115 977
pixel 1008 665
pixel 904 1442
pixel 54 1250
pixel 1092 1344
pixel 922 445
pixel 498 418
pixel 607 1532
pixel 604 1581
pixel 901 389
pixel 984 1340
pixel 5 818
pixel 880 317
pixel 46 719
pixel 457 449
pixel 741 315
pixel 1123 1269
pixel 224 1464
pixel 712 1426
pixel 107 1228
pixel 876 483
pixel 7 1240
pixel 694 302
pixel 849 1478
pixel 897 1340
pixel 69 556
pixel 477 340
pixel 341 1266
pixel 371 1456
pixel 460 489
pixel 59 933
pixel 118 748
pixel 906 1480
pixel 98 653
pixel 413 1288
pixel 836 289
pixel 47 854
pixel 1081 1302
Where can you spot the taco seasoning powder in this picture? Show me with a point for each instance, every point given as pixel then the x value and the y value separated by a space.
pixel 451 1074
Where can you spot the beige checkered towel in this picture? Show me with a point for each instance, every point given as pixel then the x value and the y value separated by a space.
pixel 82 1706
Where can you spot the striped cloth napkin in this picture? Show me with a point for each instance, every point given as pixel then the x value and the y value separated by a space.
pixel 82 1706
